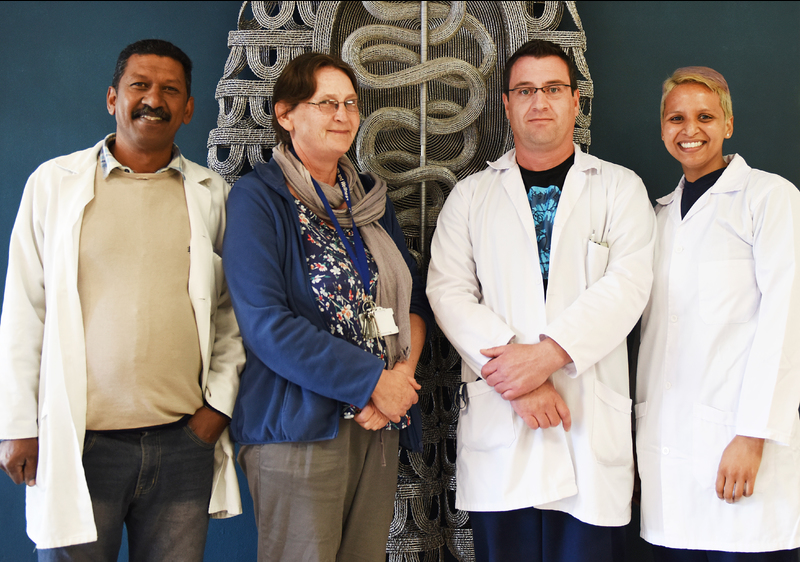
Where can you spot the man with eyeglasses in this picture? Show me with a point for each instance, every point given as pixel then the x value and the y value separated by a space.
pixel 540 267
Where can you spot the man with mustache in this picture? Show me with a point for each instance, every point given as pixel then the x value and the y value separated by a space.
pixel 119 351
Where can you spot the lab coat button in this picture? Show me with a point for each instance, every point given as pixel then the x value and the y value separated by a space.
pixel 673 318
pixel 665 450
pixel 668 386
pixel 678 249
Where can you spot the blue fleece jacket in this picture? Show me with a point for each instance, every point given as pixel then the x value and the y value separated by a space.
pixel 297 373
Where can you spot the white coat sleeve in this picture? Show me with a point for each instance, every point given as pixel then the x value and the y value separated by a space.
pixel 605 313
pixel 22 321
pixel 227 353
pixel 454 290
pixel 771 385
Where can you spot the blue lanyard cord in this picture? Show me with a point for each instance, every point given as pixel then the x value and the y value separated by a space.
pixel 359 258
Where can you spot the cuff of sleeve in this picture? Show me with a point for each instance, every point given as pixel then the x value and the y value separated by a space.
pixel 213 409
pixel 571 369
pixel 779 437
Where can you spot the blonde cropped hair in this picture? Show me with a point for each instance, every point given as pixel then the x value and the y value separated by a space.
pixel 708 77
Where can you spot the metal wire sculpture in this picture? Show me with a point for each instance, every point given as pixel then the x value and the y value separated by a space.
pixel 430 81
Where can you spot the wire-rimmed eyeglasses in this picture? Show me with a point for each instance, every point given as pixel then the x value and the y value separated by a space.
pixel 551 91
pixel 329 107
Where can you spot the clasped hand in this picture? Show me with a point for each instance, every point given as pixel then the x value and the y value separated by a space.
pixel 515 370
pixel 393 396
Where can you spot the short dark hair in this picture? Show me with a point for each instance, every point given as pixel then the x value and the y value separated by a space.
pixel 297 83
pixel 156 47
pixel 539 49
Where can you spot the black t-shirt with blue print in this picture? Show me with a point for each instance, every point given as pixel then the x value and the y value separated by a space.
pixel 543 190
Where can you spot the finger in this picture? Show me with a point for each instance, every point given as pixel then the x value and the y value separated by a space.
pixel 730 486
pixel 720 485
pixel 531 421
pixel 749 487
pixel 544 421
pixel 488 369
pixel 493 351
pixel 553 417
pixel 15 472
pixel 395 418
pixel 563 412
pixel 29 470
pixel 508 392
pixel 738 490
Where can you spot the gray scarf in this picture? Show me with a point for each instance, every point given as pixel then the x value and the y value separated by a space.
pixel 394 279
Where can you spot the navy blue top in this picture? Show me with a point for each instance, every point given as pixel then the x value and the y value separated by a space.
pixel 297 373
pixel 692 191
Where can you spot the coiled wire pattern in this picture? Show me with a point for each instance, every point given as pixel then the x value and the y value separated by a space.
pixel 430 83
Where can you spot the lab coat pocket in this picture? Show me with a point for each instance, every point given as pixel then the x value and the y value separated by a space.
pixel 712 430
pixel 596 262
pixel 728 291
pixel 486 422
pixel 611 427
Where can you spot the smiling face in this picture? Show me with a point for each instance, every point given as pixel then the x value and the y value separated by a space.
pixel 541 126
pixel 318 138
pixel 693 128
pixel 150 104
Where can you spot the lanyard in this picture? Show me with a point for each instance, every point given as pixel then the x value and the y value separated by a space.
pixel 359 258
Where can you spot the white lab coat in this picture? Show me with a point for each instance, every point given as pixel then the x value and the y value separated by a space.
pixel 43 350
pixel 485 287
pixel 720 356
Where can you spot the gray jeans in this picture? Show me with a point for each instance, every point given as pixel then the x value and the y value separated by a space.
pixel 324 501
pixel 157 483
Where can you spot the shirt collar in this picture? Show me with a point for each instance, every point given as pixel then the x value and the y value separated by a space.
pixel 108 162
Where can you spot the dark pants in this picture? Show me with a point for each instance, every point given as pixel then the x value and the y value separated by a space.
pixel 538 535
pixel 663 554
pixel 156 482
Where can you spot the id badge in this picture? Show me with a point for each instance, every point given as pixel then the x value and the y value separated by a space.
pixel 384 320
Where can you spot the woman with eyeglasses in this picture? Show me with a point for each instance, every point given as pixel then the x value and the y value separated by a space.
pixel 718 388
pixel 333 317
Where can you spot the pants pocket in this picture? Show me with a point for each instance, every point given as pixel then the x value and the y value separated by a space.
pixel 194 437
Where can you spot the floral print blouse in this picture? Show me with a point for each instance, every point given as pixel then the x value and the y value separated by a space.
pixel 338 289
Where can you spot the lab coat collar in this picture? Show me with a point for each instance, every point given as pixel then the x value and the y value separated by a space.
pixel 583 161
pixel 574 184
pixel 731 178
pixel 728 182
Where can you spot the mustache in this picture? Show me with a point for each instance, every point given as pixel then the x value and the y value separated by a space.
pixel 159 112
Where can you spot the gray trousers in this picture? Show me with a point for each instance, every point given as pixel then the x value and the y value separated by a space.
pixel 324 501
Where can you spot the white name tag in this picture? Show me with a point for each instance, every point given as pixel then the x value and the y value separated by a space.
pixel 384 318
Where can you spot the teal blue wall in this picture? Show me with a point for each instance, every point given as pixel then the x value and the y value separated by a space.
pixel 58 57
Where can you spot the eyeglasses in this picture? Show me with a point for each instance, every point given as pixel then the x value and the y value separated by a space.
pixel 329 107
pixel 551 91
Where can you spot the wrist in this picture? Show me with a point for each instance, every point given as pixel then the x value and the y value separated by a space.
pixel 557 354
